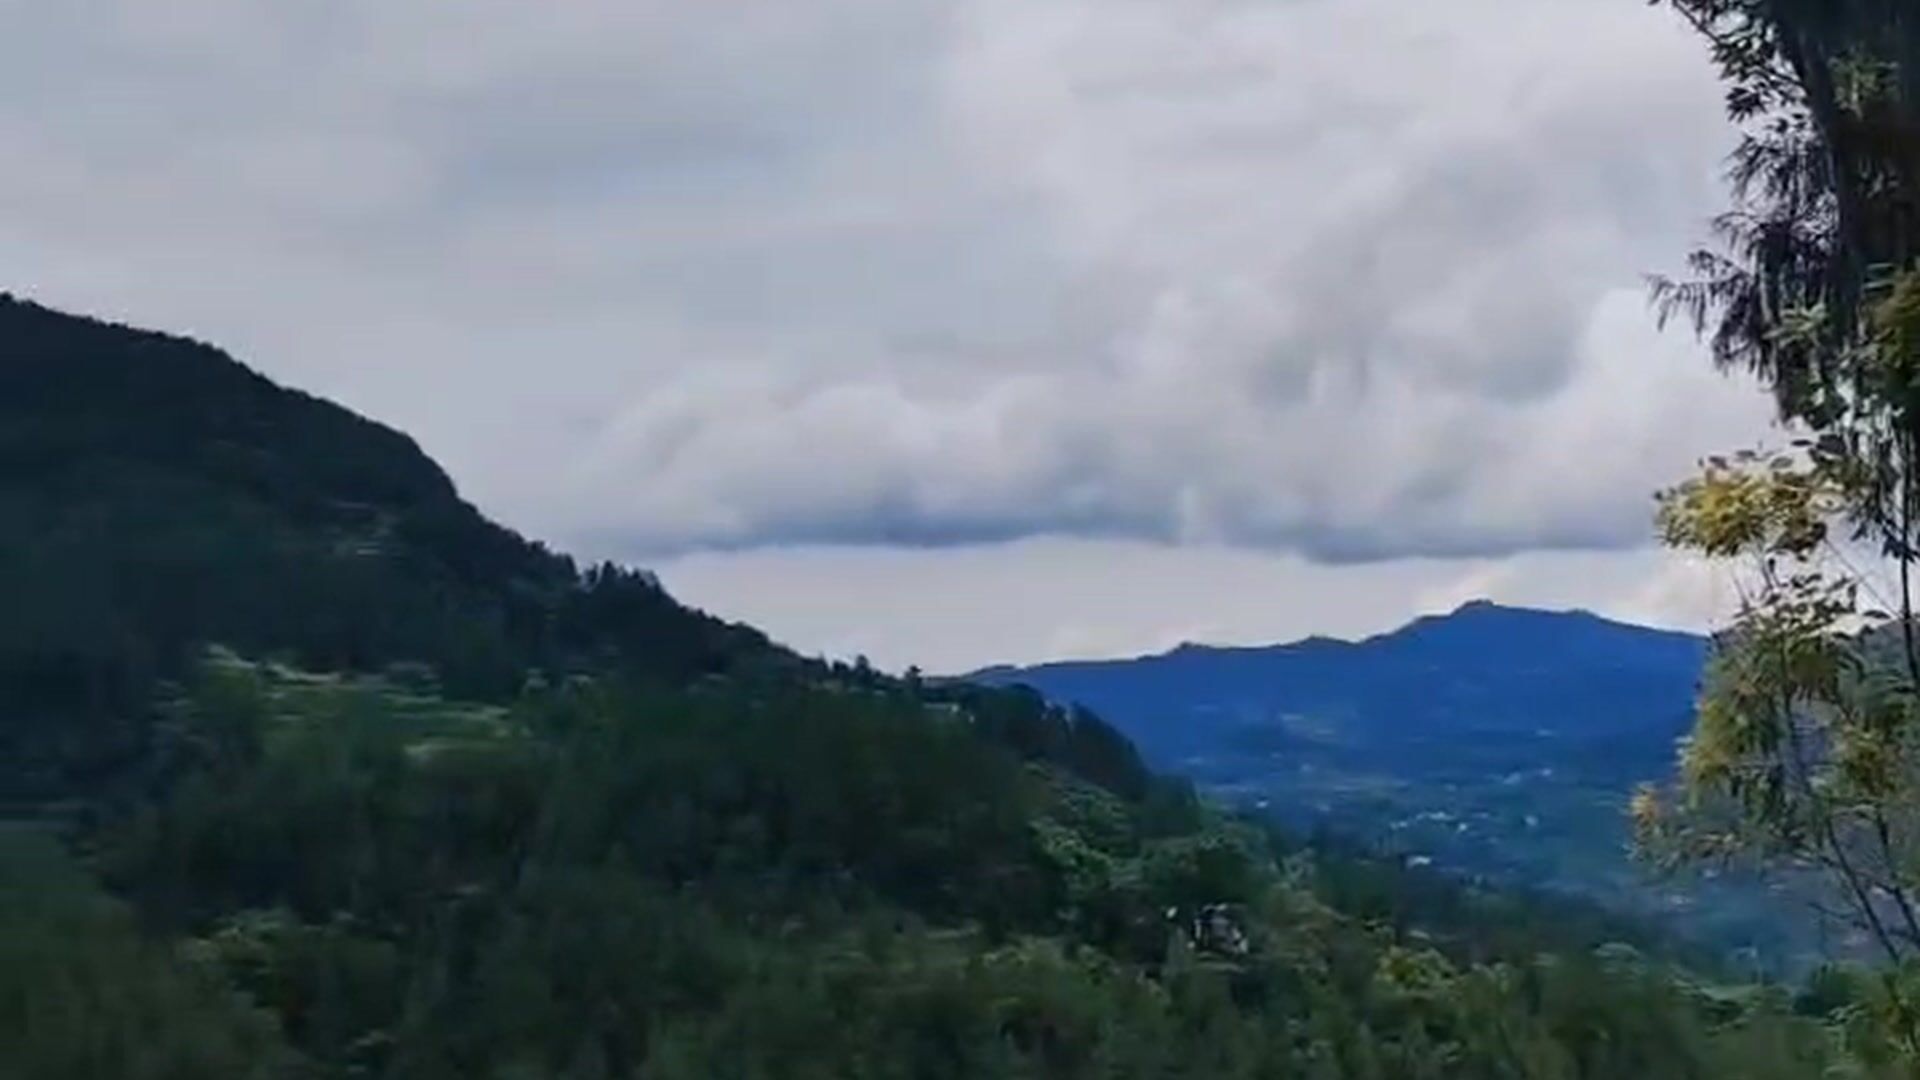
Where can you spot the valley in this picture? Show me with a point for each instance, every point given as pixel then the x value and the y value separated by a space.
pixel 1492 743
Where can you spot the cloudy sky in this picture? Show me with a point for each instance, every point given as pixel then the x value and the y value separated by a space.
pixel 945 331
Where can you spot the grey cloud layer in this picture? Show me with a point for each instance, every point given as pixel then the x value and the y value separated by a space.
pixel 1354 278
pixel 960 609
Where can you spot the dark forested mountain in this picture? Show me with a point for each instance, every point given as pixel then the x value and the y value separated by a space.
pixel 309 771
pixel 156 495
pixel 164 491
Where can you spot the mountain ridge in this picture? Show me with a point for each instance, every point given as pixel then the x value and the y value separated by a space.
pixel 1483 665
pixel 1334 642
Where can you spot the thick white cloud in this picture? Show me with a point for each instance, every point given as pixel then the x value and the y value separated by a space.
pixel 1349 277
pixel 1347 280
pixel 1354 278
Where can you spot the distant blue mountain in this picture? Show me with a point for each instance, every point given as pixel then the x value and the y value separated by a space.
pixel 1490 741
pixel 1483 670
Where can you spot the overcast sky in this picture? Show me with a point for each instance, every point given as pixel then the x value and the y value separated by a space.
pixel 946 331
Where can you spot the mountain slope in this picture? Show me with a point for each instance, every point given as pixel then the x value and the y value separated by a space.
pixel 199 499
pixel 157 495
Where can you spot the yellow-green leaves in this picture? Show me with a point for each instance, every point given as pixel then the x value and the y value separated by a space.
pixel 1750 504
pixel 1802 752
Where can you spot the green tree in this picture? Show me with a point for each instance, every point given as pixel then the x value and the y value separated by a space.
pixel 83 996
pixel 1805 749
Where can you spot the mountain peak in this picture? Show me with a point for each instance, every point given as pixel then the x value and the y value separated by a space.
pixel 1482 624
pixel 1482 606
pixel 1482 666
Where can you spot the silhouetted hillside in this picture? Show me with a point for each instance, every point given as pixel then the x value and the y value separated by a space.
pixel 156 495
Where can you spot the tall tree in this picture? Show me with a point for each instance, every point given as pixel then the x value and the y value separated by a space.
pixel 1806 749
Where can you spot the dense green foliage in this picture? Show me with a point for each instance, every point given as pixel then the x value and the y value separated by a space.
pixel 787 880
pixel 313 772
